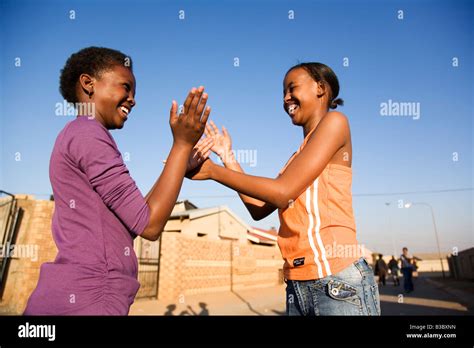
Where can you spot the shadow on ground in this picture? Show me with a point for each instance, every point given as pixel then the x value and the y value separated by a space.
pixel 170 310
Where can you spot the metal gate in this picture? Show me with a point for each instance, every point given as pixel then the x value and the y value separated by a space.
pixel 10 218
pixel 148 268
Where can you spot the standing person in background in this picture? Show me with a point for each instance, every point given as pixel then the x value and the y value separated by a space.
pixel 393 267
pixel 415 267
pixel 382 270
pixel 407 271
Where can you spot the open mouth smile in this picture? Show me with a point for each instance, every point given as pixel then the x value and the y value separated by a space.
pixel 125 111
pixel 291 108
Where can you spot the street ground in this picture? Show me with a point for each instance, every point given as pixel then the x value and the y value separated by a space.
pixel 433 295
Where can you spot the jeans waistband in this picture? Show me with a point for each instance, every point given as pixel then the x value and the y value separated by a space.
pixel 362 264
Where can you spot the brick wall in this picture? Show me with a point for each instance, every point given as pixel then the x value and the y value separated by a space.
pixel 192 265
pixel 34 237
pixel 189 265
pixel 461 266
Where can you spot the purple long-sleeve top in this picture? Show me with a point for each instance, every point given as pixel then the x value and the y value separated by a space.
pixel 98 212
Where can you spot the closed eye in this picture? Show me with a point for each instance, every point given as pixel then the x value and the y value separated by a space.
pixel 290 89
pixel 127 87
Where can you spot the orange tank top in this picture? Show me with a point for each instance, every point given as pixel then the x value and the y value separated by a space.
pixel 317 235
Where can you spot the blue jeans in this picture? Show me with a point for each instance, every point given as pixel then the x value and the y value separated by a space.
pixel 353 291
pixel 407 279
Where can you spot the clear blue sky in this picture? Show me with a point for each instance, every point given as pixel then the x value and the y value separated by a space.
pixel 408 60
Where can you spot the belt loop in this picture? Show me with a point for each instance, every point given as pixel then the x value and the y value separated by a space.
pixel 359 265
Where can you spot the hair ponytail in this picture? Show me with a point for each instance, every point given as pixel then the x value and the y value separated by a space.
pixel 336 102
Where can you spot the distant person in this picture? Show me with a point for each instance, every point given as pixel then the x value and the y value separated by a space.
pixel 415 267
pixel 393 267
pixel 381 269
pixel 407 271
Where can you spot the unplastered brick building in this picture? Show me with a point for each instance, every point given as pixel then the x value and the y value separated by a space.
pixel 199 251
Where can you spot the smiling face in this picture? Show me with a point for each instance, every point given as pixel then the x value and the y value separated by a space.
pixel 302 96
pixel 113 94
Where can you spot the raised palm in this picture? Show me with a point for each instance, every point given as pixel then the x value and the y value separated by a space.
pixel 200 153
pixel 222 141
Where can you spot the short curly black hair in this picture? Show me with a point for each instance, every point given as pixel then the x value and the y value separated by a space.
pixel 92 61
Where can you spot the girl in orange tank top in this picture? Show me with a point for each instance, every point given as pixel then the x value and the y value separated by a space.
pixel 324 270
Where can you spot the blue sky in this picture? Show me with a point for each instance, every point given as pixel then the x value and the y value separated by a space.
pixel 403 60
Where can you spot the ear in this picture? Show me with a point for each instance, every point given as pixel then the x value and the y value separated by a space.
pixel 87 84
pixel 321 89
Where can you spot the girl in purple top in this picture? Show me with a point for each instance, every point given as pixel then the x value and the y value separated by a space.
pixel 98 207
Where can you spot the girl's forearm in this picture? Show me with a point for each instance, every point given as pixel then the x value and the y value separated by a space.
pixel 229 162
pixel 162 197
pixel 264 189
